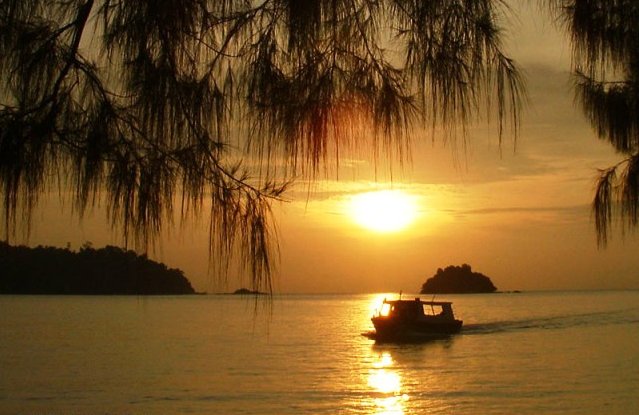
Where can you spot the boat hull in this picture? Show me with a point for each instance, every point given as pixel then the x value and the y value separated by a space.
pixel 404 337
pixel 390 329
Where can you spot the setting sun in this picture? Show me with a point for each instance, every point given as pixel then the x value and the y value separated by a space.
pixel 383 211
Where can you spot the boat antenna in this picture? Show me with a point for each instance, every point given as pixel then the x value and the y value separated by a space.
pixel 400 294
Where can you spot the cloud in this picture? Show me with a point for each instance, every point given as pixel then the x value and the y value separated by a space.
pixel 569 211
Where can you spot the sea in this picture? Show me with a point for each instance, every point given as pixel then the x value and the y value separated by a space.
pixel 518 353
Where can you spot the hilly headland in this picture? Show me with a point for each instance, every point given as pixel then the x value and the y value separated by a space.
pixel 106 271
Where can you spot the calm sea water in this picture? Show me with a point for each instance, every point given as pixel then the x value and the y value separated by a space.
pixel 528 353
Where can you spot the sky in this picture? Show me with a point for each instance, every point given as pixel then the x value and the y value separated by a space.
pixel 518 213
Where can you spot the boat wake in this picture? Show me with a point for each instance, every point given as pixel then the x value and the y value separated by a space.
pixel 554 322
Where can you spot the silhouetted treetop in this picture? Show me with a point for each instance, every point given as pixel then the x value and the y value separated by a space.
pixel 457 280
pixel 109 270
pixel 196 107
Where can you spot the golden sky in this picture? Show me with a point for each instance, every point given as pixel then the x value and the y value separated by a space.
pixel 518 213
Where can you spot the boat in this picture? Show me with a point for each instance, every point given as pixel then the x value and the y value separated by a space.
pixel 414 320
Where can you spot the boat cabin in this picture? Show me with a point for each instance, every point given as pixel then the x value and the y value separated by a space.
pixel 414 309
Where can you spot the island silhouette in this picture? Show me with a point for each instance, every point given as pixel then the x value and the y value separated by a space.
pixel 458 280
pixel 247 291
pixel 106 271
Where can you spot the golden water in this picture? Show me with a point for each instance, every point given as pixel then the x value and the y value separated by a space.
pixel 529 353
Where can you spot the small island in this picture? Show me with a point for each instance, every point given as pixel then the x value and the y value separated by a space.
pixel 106 271
pixel 246 291
pixel 458 280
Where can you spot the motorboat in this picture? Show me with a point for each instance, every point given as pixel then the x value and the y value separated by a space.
pixel 411 320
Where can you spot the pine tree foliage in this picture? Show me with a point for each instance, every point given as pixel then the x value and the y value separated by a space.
pixel 212 106
pixel 605 38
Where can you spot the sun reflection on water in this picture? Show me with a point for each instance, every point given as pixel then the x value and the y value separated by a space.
pixel 385 360
pixel 387 382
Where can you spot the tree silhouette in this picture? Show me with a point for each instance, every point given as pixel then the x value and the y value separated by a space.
pixel 212 106
pixel 605 37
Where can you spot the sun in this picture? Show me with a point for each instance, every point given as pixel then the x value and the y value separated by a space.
pixel 383 211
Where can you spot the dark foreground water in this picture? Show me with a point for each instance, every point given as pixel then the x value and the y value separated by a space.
pixel 529 353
